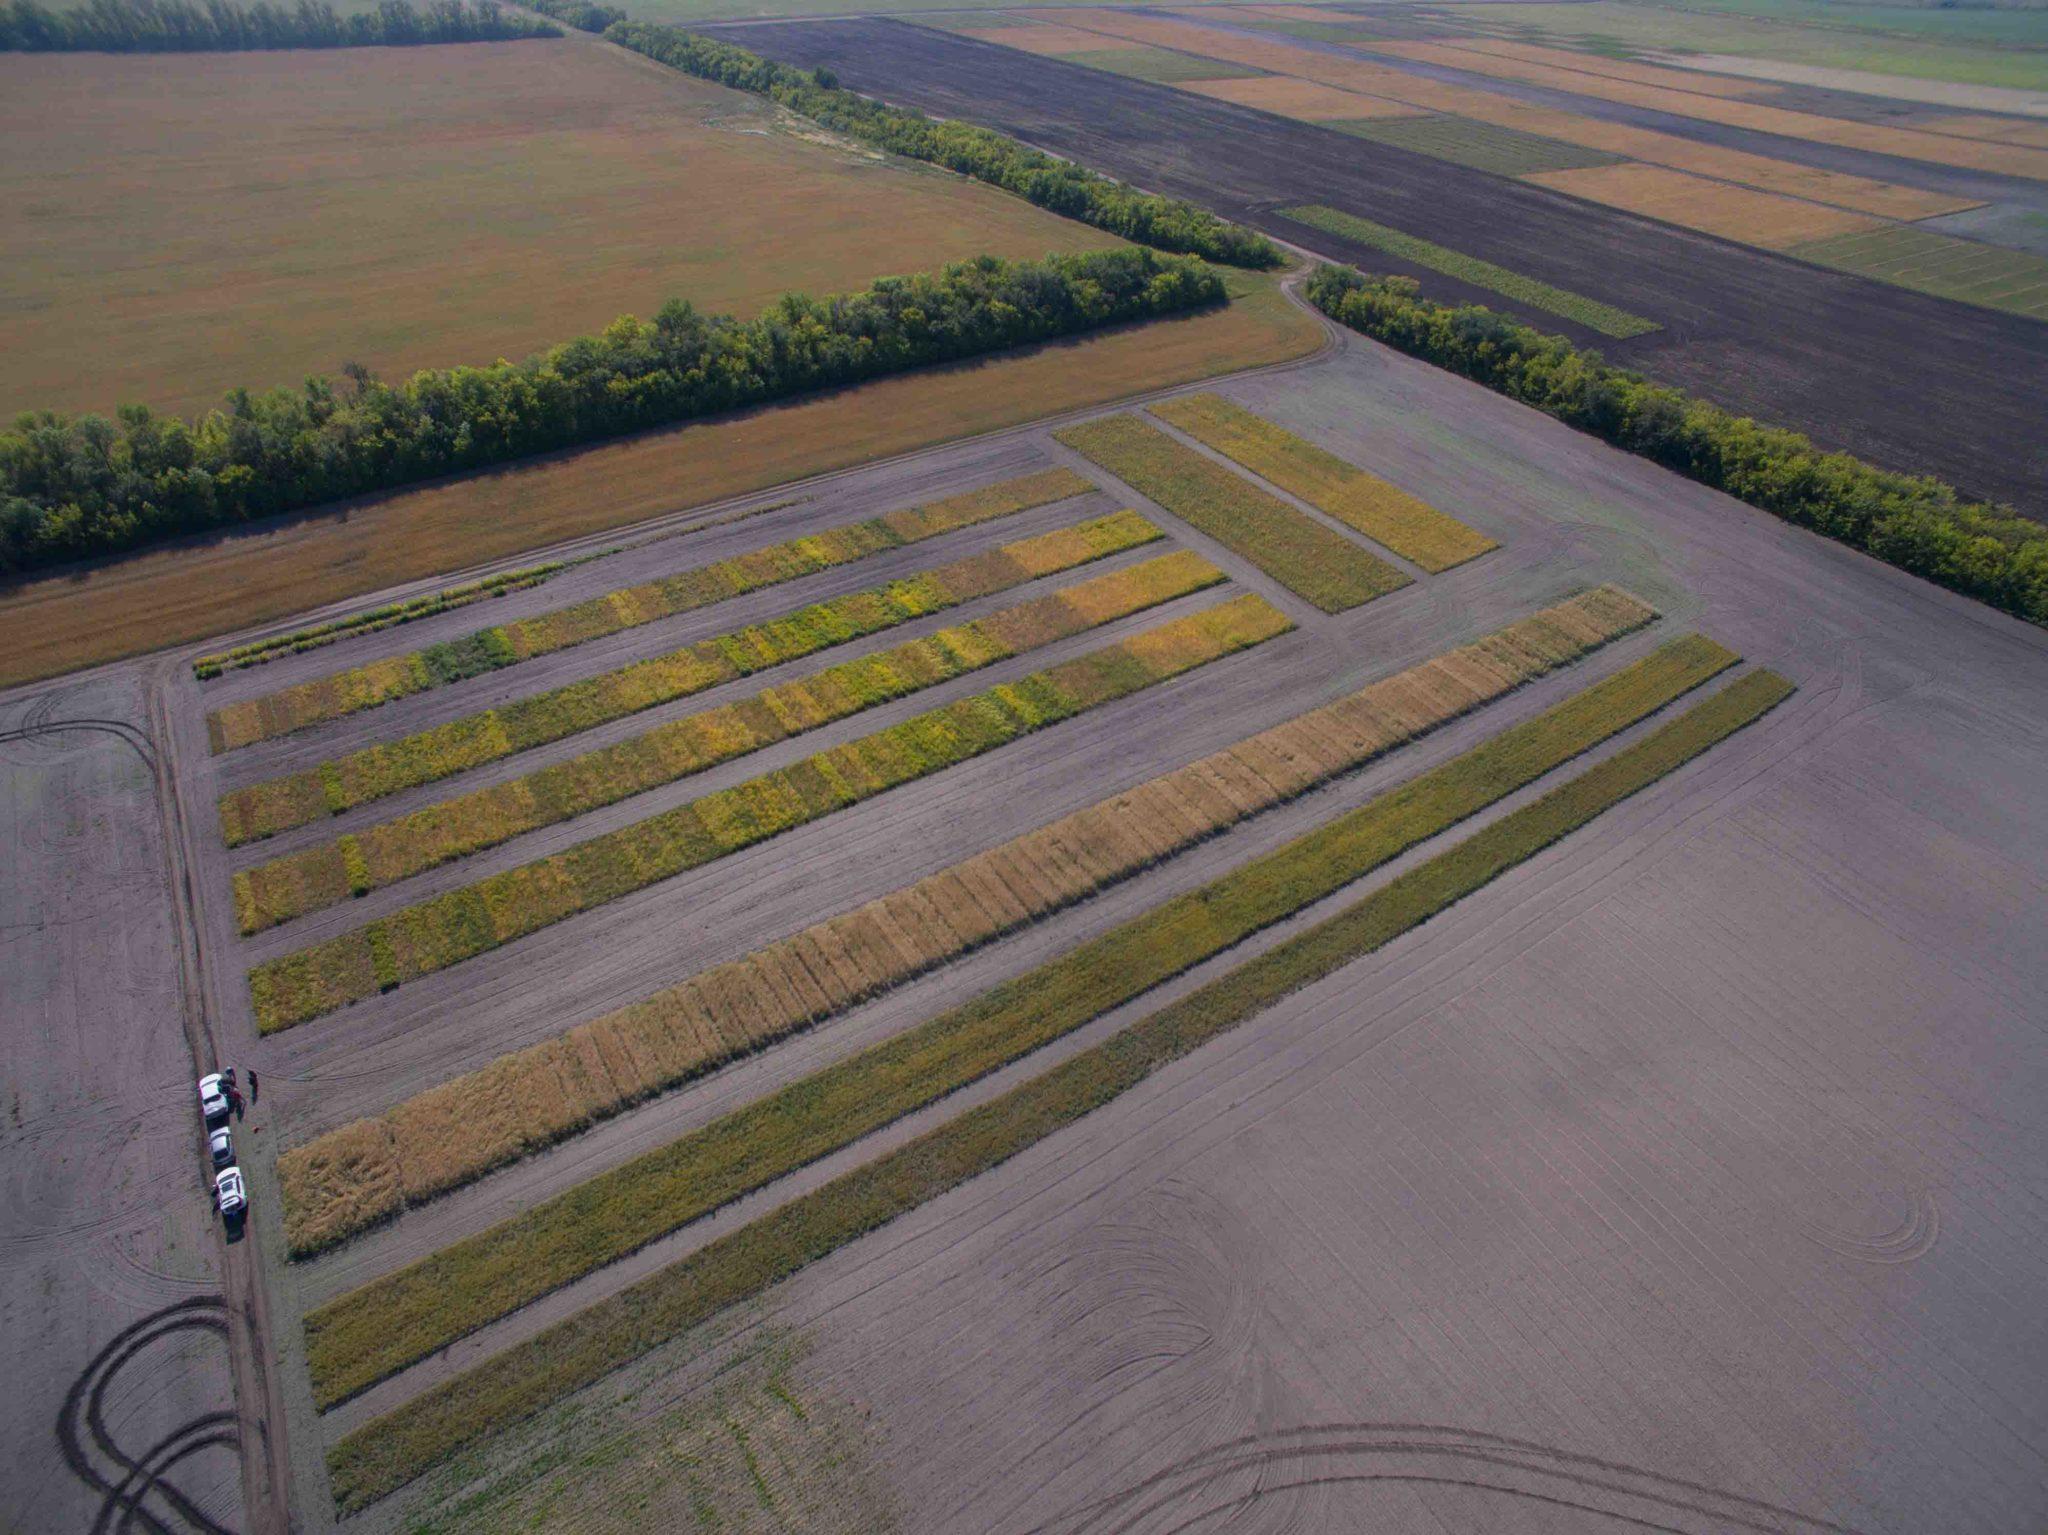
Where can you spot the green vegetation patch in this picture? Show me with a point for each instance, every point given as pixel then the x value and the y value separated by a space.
pixel 455 828
pixel 476 918
pixel 1481 146
pixel 1576 307
pixel 381 1327
pixel 392 1449
pixel 1161 65
pixel 1307 558
pixel 1987 275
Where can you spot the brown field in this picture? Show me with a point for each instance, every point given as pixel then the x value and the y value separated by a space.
pixel 1713 207
pixel 1860 193
pixel 64 622
pixel 1303 100
pixel 2002 130
pixel 1053 39
pixel 179 225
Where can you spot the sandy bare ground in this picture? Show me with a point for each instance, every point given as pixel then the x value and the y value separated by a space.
pixel 120 1404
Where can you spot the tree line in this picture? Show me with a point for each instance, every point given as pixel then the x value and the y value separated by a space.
pixel 199 26
pixel 580 14
pixel 1918 524
pixel 78 485
pixel 1058 185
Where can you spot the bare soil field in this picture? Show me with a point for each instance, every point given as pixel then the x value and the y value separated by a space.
pixel 444 205
pixel 1682 1176
pixel 1789 343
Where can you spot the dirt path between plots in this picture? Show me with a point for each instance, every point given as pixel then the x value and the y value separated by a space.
pixel 1910 382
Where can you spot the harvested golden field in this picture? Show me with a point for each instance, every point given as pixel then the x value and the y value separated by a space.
pixel 1712 207
pixel 1614 69
pixel 170 596
pixel 1998 130
pixel 1303 100
pixel 178 225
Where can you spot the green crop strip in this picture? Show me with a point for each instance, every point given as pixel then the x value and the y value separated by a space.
pixel 1310 560
pixel 1381 511
pixel 1576 307
pixel 485 650
pixel 474 919
pixel 436 834
pixel 380 1328
pixel 441 751
pixel 390 1450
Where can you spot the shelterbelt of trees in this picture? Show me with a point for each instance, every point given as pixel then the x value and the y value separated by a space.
pixel 1057 185
pixel 1918 524
pixel 583 15
pixel 221 26
pixel 79 485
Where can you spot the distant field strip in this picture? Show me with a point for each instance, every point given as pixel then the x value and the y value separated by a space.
pixel 1721 208
pixel 455 828
pixel 381 1327
pixel 1323 567
pixel 463 923
pixel 392 1449
pixel 1987 275
pixel 365 687
pixel 368 1170
pixel 1591 313
pixel 1479 146
pixel 1160 65
pixel 426 756
pixel 1384 512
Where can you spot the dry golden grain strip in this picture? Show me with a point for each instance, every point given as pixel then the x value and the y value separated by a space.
pixel 1039 871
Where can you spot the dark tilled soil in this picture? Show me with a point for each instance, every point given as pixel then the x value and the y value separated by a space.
pixel 1907 381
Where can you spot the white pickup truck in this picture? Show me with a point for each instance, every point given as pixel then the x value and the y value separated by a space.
pixel 213 1098
pixel 229 1194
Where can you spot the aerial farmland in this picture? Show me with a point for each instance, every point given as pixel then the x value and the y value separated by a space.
pixel 1133 768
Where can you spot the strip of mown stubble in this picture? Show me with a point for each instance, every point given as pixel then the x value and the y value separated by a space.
pixel 447 929
pixel 489 735
pixel 1383 512
pixel 1321 566
pixel 368 1170
pixel 381 1327
pixel 392 1449
pixel 435 834
pixel 485 650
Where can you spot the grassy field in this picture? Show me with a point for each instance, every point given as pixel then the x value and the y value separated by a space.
pixel 1481 146
pixel 1308 559
pixel 381 855
pixel 381 1327
pixel 483 650
pixel 1527 291
pixel 474 919
pixel 168 597
pixel 1160 65
pixel 1381 511
pixel 392 1449
pixel 1989 275
pixel 470 740
pixel 1303 100
pixel 363 1172
pixel 179 225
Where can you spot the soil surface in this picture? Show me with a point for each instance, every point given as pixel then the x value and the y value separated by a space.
pixel 1907 381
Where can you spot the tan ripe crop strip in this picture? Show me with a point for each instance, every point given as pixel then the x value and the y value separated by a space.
pixel 1303 100
pixel 1383 512
pixel 369 1170
pixel 473 919
pixel 1859 193
pixel 1713 207
pixel 365 687
pixel 426 756
pixel 456 828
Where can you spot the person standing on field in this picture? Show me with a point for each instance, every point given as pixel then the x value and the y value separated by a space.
pixel 255 1087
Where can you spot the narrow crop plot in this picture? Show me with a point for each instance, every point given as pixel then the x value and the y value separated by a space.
pixel 426 756
pixel 365 687
pixel 455 828
pixel 1381 511
pixel 1307 558
pixel 1160 65
pixel 367 1171
pixel 1591 313
pixel 477 918
pixel 1712 207
pixel 1479 146
pixel 1964 270
pixel 392 1449
pixel 1303 100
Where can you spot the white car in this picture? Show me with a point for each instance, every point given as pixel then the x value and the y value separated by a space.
pixel 227 1193
pixel 213 1098
pixel 222 1144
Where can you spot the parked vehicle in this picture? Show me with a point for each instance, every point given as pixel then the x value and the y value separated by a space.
pixel 228 1194
pixel 222 1144
pixel 213 1098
